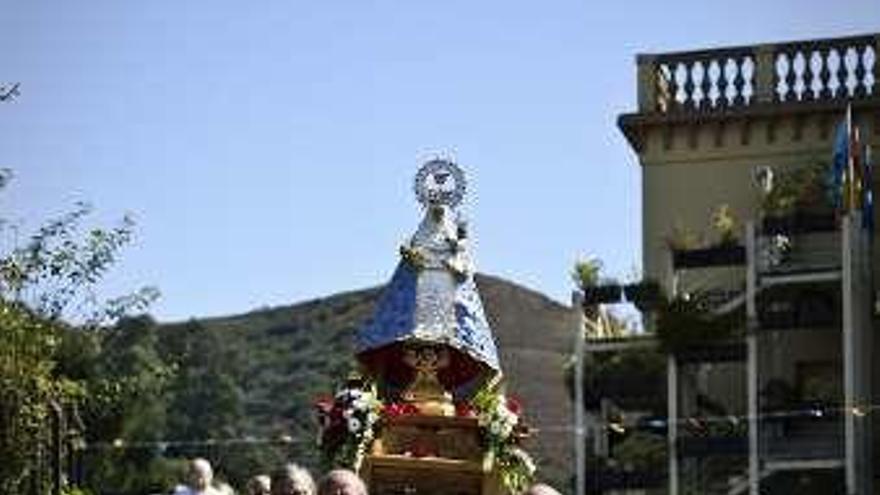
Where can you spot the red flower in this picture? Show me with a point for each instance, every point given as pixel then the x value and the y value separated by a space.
pixel 514 405
pixel 396 409
pixel 464 409
pixel 392 410
pixel 324 403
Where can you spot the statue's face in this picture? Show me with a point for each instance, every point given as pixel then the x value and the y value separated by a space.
pixel 437 212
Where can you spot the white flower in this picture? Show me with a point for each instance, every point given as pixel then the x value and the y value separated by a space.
pixel 505 429
pixel 483 420
pixel 372 417
pixel 354 425
pixel 524 458
pixel 495 428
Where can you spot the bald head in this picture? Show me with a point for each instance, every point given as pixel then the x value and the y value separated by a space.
pixel 342 482
pixel 541 489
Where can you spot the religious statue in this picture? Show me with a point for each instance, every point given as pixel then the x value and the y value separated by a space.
pixel 429 414
pixel 431 307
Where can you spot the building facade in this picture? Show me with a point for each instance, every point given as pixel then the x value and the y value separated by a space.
pixel 750 229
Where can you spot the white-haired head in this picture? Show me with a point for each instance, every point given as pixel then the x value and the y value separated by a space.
pixel 541 489
pixel 260 484
pixel 200 475
pixel 342 482
pixel 293 480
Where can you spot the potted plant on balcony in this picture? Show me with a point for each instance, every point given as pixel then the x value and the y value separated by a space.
pixel 631 378
pixel 684 324
pixel 795 200
pixel 596 290
pixel 715 435
pixel 726 250
pixel 641 452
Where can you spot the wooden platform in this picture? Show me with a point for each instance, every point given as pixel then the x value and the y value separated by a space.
pixel 429 455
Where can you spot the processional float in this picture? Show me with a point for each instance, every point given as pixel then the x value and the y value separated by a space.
pixel 428 414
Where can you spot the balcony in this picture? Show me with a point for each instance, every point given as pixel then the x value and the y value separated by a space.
pixel 608 479
pixel 811 435
pixel 702 437
pixel 753 80
pixel 798 251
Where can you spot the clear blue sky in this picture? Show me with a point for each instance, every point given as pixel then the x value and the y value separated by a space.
pixel 267 149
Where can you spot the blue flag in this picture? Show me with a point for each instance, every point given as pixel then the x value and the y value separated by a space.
pixel 839 164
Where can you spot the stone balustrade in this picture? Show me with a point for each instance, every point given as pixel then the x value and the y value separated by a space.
pixel 722 79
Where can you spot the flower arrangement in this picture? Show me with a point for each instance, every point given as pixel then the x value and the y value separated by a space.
pixel 682 238
pixel 724 223
pixel 802 188
pixel 350 420
pixel 347 424
pixel 499 419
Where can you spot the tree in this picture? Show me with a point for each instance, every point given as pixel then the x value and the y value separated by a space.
pixel 44 284
pixel 206 398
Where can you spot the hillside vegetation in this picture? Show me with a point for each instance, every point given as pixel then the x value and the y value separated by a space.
pixel 241 388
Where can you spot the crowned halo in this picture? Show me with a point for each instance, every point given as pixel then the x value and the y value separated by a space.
pixel 440 182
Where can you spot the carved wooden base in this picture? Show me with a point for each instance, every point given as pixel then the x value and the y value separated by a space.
pixel 429 455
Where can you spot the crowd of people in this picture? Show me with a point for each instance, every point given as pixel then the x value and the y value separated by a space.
pixel 292 479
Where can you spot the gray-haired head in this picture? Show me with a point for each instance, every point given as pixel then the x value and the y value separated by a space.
pixel 342 482
pixel 199 473
pixel 541 489
pixel 260 484
pixel 293 479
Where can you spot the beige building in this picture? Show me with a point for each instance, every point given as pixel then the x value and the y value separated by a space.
pixel 735 148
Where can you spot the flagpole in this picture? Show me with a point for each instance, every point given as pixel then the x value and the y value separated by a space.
pixel 850 162
pixel 868 192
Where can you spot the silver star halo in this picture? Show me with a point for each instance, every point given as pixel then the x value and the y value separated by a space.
pixel 440 182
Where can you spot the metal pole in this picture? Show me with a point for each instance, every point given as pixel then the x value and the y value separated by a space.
pixel 849 378
pixel 579 440
pixel 752 359
pixel 672 422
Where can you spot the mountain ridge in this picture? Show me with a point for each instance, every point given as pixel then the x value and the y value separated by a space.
pixel 294 353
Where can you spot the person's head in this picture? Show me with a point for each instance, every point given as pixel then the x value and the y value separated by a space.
pixel 541 489
pixel 260 484
pixel 293 480
pixel 342 482
pixel 200 474
pixel 225 489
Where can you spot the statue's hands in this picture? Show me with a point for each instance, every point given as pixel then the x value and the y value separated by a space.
pixel 459 267
pixel 413 256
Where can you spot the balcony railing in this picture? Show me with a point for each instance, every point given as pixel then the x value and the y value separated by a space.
pixel 803 436
pixel 740 77
pixel 606 479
